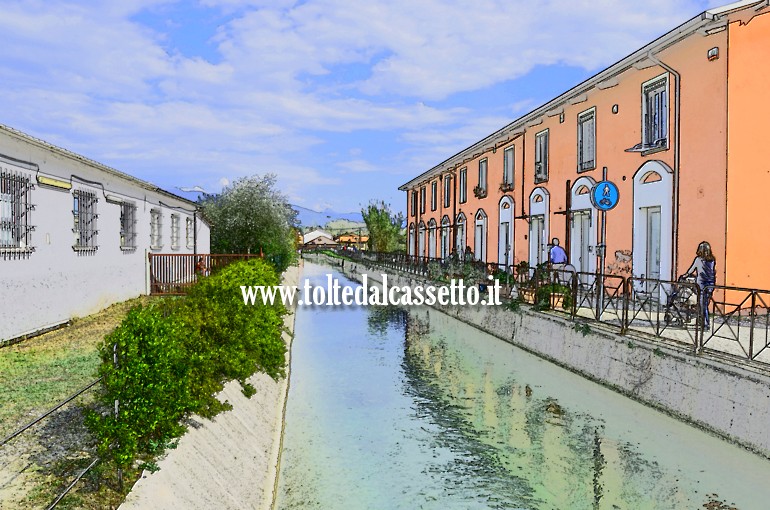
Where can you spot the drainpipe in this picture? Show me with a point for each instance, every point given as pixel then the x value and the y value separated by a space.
pixel 195 233
pixel 675 208
pixel 454 212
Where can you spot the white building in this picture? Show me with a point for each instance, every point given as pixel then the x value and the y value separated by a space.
pixel 75 234
pixel 314 236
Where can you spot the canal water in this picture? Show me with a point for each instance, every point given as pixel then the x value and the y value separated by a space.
pixel 396 409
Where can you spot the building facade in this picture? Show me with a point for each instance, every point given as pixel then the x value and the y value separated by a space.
pixel 75 234
pixel 678 126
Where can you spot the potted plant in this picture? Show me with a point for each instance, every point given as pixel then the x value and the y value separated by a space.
pixel 479 192
pixel 506 187
pixel 554 295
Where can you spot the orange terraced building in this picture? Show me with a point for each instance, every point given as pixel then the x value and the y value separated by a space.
pixel 682 127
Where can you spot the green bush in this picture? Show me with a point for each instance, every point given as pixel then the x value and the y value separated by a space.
pixel 175 355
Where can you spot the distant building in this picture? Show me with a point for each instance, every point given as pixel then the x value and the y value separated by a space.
pixel 75 234
pixel 311 236
pixel 670 124
pixel 352 240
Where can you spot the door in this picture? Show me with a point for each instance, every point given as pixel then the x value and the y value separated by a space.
pixel 652 251
pixel 479 244
pixel 581 249
pixel 536 240
pixel 504 245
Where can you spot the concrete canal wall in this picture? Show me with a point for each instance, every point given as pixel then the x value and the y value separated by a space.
pixel 723 396
pixel 230 462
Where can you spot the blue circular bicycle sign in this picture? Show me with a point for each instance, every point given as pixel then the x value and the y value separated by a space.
pixel 605 195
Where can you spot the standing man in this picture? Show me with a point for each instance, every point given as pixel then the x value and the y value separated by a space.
pixel 556 255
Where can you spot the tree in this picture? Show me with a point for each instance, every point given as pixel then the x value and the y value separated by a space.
pixel 250 216
pixel 384 227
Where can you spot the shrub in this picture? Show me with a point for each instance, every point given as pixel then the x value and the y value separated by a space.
pixel 175 355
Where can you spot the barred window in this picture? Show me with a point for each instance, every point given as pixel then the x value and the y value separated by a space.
pixel 84 219
pixel 174 231
pixel 190 233
pixel 127 226
pixel 156 238
pixel 15 210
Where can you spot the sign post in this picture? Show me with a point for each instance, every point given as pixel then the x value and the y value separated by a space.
pixel 604 196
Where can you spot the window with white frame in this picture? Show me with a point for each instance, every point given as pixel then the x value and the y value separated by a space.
pixel 587 140
pixel 190 233
pixel 433 195
pixel 414 203
pixel 84 220
pixel 483 175
pixel 508 167
pixel 463 185
pixel 127 226
pixel 447 190
pixel 15 210
pixel 422 200
pixel 156 239
pixel 541 156
pixel 655 113
pixel 174 231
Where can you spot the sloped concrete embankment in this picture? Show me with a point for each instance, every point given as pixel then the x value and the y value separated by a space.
pixel 723 396
pixel 228 463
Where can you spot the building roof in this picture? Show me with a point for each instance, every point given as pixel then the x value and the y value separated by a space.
pixel 707 22
pixel 315 234
pixel 90 162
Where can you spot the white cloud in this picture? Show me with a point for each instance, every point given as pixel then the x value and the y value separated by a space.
pixel 89 77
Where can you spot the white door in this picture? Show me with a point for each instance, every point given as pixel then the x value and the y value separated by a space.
pixel 504 245
pixel 432 243
pixel 479 242
pixel 652 252
pixel 581 256
pixel 537 241
pixel 421 243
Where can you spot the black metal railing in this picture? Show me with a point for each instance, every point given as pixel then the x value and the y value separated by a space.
pixel 734 322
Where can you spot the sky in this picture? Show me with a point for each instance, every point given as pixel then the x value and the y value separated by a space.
pixel 343 100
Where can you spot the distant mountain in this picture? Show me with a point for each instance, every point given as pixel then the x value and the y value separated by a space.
pixel 308 217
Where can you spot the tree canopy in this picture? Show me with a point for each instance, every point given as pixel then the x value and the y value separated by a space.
pixel 385 231
pixel 251 215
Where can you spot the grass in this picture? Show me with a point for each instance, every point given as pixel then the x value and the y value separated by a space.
pixel 35 375
pixel 38 373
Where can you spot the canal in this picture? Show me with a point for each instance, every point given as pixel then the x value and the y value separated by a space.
pixel 390 408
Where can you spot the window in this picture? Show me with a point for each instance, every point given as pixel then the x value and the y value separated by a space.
pixel 414 203
pixel 508 162
pixel 447 190
pixel 422 200
pixel 127 226
pixel 655 114
pixel 190 233
pixel 15 210
pixel 463 185
pixel 541 156
pixel 174 231
pixel 483 175
pixel 587 141
pixel 156 239
pixel 433 195
pixel 84 220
